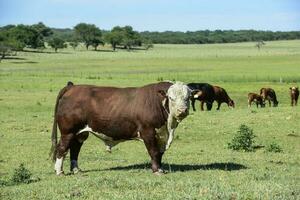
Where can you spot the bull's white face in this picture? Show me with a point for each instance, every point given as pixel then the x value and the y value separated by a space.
pixel 179 103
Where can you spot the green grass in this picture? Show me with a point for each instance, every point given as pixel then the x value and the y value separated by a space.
pixel 200 164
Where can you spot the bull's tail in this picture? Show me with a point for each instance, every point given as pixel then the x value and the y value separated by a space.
pixel 53 149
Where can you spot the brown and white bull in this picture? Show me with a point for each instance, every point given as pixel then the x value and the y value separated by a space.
pixel 150 113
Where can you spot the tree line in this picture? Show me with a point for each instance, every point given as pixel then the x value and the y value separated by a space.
pixel 36 36
pixel 218 36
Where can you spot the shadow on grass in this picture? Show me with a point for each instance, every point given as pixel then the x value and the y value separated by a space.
pixel 104 50
pixel 47 52
pixel 14 58
pixel 179 167
pixel 24 62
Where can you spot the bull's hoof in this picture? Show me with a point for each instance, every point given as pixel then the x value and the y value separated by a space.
pixel 159 172
pixel 61 173
pixel 76 170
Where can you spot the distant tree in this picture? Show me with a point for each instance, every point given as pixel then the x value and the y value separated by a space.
pixel 74 44
pixel 5 50
pixel 88 33
pixel 123 36
pixel 147 43
pixel 96 42
pixel 26 36
pixel 57 43
pixel 115 37
pixel 132 38
pixel 259 44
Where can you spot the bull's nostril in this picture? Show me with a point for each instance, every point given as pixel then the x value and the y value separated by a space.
pixel 182 111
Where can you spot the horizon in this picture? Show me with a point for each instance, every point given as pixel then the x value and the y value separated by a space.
pixel 157 16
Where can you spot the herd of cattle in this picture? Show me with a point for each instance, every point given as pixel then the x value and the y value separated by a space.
pixel 207 93
pixel 150 113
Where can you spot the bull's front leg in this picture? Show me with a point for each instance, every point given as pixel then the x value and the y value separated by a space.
pixel 148 136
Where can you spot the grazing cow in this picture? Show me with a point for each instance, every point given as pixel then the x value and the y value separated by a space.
pixel 205 94
pixel 256 98
pixel 150 113
pixel 221 96
pixel 294 92
pixel 270 95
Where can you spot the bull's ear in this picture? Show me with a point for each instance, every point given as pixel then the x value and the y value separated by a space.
pixel 162 93
pixel 193 93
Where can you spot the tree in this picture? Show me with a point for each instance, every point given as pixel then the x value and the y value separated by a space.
pixel 259 44
pixel 40 31
pixel 132 38
pixel 57 43
pixel 5 50
pixel 124 36
pixel 26 36
pixel 115 37
pixel 74 44
pixel 95 43
pixel 88 33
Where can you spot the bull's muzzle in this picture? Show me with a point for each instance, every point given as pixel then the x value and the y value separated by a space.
pixel 182 113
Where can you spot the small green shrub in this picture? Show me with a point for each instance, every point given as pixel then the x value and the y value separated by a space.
pixel 21 175
pixel 274 147
pixel 243 139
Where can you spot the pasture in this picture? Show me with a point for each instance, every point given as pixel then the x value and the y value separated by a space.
pixel 200 165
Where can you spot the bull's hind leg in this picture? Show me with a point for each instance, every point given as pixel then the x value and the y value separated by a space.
pixel 201 105
pixel 209 105
pixel 75 147
pixel 62 149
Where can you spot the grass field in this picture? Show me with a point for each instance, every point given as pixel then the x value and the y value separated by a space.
pixel 200 165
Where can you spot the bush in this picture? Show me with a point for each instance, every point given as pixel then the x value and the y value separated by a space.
pixel 274 147
pixel 21 175
pixel 243 140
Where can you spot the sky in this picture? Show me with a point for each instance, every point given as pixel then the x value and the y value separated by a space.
pixel 156 15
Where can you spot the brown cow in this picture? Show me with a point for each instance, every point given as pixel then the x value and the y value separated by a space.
pixel 150 113
pixel 270 95
pixel 221 96
pixel 294 92
pixel 256 98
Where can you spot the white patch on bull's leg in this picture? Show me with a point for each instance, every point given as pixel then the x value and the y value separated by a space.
pixel 170 139
pixel 58 167
pixel 172 125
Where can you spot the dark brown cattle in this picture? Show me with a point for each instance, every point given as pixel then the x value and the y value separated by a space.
pixel 256 98
pixel 270 95
pixel 205 94
pixel 150 113
pixel 294 92
pixel 221 96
